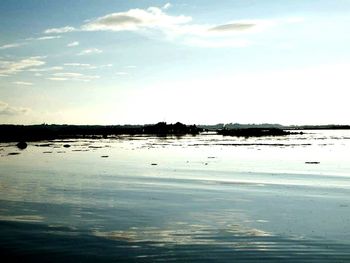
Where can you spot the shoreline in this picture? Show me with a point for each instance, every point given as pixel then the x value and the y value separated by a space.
pixel 23 133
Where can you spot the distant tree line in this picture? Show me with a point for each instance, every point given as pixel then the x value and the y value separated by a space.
pixel 50 132
pixel 53 131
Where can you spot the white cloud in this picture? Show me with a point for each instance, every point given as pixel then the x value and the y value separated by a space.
pixel 135 19
pixel 251 26
pixel 156 22
pixel 23 83
pixel 73 44
pixel 77 65
pixel 90 51
pixel 68 74
pixel 87 66
pixel 57 79
pixel 122 73
pixel 105 66
pixel 171 26
pixel 60 30
pixel 6 109
pixel 167 6
pixel 13 67
pixel 236 26
pixel 46 69
pixel 11 45
pixel 73 76
pixel 48 37
pixel 177 28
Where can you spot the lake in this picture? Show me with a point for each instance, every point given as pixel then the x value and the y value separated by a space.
pixel 204 198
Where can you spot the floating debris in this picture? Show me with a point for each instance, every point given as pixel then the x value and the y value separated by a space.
pixel 104 156
pixel 21 145
pixel 95 147
pixel 312 162
pixel 66 145
pixel 14 153
pixel 154 164
pixel 44 145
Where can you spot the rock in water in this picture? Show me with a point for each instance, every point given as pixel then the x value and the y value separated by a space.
pixel 21 145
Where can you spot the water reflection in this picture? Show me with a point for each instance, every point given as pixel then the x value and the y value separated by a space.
pixel 210 202
pixel 231 236
pixel 38 243
pixel 22 218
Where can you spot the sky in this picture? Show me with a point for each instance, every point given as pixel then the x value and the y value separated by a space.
pixel 194 61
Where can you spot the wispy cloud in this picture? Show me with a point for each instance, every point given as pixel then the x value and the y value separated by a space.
pixel 73 44
pixel 83 65
pixel 13 45
pixel 105 66
pixel 60 30
pixel 48 37
pixel 23 83
pixel 13 67
pixel 56 68
pixel 242 27
pixel 72 76
pixel 122 73
pixel 6 109
pixel 167 6
pixel 57 79
pixel 90 51
pixel 68 74
pixel 87 66
pixel 232 27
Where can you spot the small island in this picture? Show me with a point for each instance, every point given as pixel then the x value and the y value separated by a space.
pixel 253 132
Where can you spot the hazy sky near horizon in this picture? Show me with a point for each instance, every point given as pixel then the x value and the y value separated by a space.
pixel 193 61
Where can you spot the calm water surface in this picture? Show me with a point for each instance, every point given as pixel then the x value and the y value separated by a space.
pixel 190 199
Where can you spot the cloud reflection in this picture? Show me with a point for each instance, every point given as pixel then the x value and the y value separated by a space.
pixel 238 236
pixel 23 218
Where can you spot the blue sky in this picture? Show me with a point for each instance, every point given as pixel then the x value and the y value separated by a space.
pixel 117 62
